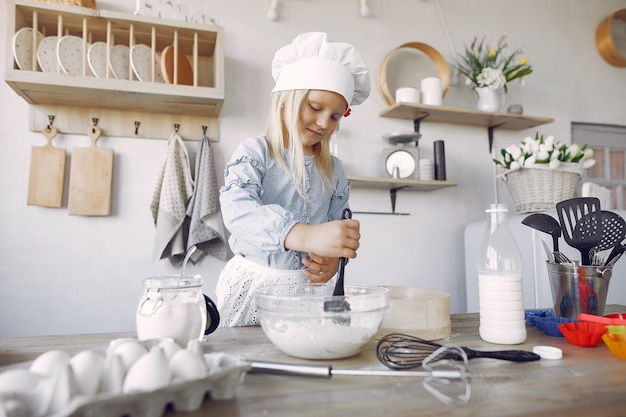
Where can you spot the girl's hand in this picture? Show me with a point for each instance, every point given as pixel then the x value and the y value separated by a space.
pixel 320 269
pixel 336 239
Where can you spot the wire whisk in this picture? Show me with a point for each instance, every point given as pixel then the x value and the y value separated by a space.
pixel 403 351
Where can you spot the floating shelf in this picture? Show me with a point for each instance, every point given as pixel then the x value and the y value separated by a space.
pixel 397 184
pixel 459 116
pixel 465 117
pixel 394 185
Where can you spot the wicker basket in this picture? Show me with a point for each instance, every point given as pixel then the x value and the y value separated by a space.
pixel 82 3
pixel 540 188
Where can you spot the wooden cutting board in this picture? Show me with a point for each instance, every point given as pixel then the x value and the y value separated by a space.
pixel 91 176
pixel 47 172
pixel 185 72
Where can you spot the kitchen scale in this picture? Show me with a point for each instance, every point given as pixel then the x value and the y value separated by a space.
pixel 401 161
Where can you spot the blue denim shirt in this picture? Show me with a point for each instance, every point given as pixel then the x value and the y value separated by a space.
pixel 260 204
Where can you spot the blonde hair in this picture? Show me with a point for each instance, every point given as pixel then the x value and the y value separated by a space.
pixel 283 133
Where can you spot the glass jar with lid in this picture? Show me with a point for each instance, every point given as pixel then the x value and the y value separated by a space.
pixel 174 306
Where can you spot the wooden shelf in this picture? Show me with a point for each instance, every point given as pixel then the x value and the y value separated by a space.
pixel 394 185
pixel 459 116
pixel 203 46
pixel 397 184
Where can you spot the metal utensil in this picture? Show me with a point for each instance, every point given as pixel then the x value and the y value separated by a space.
pixel 326 371
pixel 549 254
pixel 402 351
pixel 190 252
pixel 437 371
pixel 582 236
pixel 339 303
pixel 615 254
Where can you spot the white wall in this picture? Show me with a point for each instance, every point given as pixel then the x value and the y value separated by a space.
pixel 68 274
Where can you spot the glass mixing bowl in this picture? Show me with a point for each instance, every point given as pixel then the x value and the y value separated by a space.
pixel 300 321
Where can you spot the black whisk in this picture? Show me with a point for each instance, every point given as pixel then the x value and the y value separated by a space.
pixel 402 351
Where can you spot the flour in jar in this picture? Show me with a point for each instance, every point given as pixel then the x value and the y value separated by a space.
pixel 320 338
pixel 174 315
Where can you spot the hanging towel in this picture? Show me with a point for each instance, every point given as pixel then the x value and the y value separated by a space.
pixel 173 189
pixel 206 228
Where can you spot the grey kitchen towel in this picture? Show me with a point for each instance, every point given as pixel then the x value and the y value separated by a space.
pixel 174 187
pixel 206 228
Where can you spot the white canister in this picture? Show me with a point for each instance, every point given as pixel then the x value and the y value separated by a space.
pixel 432 91
pixel 407 95
pixel 172 306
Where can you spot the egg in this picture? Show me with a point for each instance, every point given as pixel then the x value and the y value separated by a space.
pixel 112 374
pixel 130 351
pixel 18 380
pixel 169 346
pixel 64 387
pixel 87 366
pixel 195 347
pixel 187 365
pixel 150 372
pixel 113 344
pixel 46 363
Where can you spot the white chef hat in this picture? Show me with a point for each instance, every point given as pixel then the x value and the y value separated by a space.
pixel 310 62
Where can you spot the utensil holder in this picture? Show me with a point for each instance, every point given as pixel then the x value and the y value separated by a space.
pixel 578 289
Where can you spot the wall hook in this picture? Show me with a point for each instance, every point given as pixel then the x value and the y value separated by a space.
pixel 50 122
pixel 204 129
pixel 364 10
pixel 94 121
pixel 176 127
pixel 272 14
pixel 137 123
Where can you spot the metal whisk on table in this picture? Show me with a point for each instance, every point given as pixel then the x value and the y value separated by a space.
pixel 403 351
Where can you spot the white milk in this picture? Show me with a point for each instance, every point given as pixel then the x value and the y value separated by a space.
pixel 501 311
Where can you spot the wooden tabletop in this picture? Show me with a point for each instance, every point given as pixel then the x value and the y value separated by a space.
pixel 586 382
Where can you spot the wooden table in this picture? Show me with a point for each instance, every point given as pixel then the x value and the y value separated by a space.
pixel 586 382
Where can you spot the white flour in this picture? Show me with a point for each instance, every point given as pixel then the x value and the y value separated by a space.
pixel 320 338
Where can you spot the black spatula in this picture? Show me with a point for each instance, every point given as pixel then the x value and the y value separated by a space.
pixel 339 304
pixel 581 235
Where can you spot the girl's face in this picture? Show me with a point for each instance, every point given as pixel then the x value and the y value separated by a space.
pixel 320 116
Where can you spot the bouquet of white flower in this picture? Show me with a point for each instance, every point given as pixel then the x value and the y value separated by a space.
pixel 540 172
pixel 540 150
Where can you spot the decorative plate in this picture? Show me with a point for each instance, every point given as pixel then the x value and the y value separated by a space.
pixel 185 72
pixel 47 54
pixel 23 48
pixel 119 61
pixel 97 59
pixel 141 62
pixel 70 55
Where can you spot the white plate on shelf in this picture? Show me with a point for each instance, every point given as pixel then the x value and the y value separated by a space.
pixel 70 55
pixel 23 47
pixel 119 61
pixel 47 54
pixel 141 62
pixel 97 59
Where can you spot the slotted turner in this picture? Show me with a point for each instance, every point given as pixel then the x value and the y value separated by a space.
pixel 581 235
pixel 339 303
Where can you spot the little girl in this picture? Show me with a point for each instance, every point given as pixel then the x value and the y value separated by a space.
pixel 283 193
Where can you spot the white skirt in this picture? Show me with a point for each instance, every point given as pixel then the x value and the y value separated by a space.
pixel 237 283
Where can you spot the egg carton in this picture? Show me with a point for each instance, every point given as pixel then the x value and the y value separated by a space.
pixel 183 396
pixel 220 383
